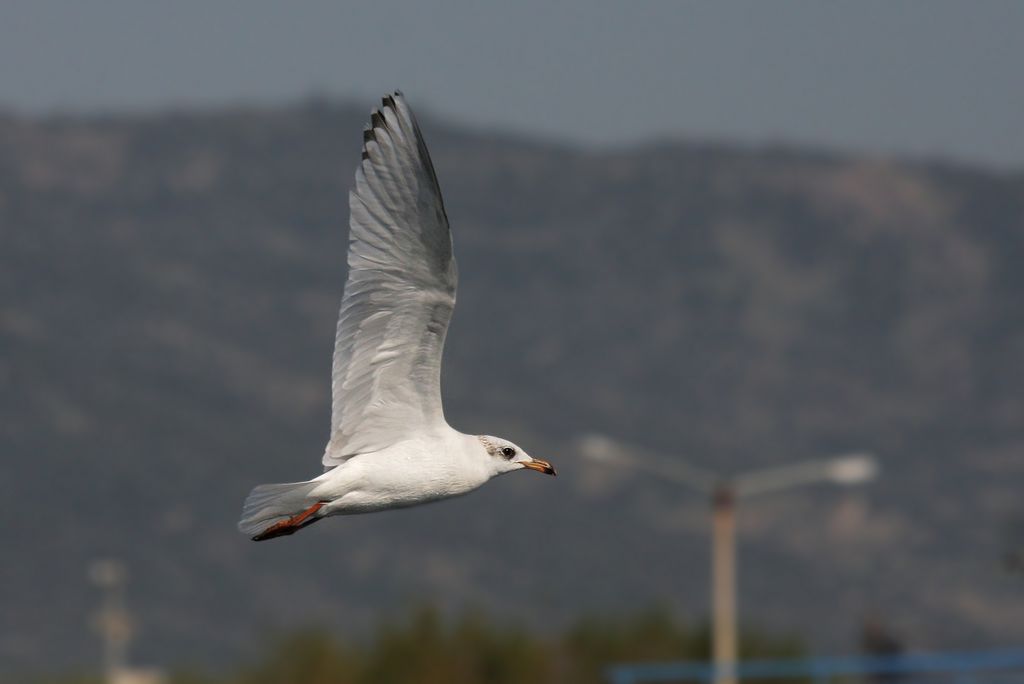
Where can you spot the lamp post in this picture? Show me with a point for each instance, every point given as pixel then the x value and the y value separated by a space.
pixel 113 620
pixel 115 625
pixel 724 494
pixel 724 639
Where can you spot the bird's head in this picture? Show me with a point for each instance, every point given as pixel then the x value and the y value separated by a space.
pixel 504 457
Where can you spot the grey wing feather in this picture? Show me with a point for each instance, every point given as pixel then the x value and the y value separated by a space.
pixel 399 297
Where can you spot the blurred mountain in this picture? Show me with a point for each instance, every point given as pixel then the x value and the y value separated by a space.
pixel 170 284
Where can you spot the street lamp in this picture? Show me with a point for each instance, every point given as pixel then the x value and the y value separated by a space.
pixel 724 494
pixel 113 620
pixel 115 625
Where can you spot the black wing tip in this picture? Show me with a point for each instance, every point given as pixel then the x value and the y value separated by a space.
pixel 368 136
pixel 378 120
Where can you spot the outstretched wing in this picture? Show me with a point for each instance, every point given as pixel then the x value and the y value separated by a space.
pixel 400 293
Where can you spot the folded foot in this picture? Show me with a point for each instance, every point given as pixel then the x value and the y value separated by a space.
pixel 292 524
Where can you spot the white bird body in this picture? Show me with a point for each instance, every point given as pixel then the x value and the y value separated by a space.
pixel 405 474
pixel 390 445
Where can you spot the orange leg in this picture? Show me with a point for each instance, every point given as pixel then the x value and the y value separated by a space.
pixel 292 524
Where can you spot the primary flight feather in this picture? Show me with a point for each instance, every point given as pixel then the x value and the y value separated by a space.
pixel 390 445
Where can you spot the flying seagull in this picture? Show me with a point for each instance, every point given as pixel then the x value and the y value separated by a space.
pixel 390 445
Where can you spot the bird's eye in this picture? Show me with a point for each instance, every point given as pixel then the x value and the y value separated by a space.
pixel 508 452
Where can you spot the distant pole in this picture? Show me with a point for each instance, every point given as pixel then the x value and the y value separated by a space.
pixel 846 470
pixel 723 584
pixel 113 620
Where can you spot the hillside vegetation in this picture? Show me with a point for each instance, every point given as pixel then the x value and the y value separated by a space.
pixel 168 290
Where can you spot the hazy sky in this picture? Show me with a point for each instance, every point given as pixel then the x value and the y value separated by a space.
pixel 930 78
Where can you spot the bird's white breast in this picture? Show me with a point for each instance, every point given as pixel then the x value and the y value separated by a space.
pixel 407 473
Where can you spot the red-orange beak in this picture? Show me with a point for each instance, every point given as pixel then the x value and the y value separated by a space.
pixel 540 466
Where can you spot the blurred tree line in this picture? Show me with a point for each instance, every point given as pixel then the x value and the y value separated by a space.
pixel 425 648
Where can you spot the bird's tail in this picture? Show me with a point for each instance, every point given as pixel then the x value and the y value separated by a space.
pixel 269 504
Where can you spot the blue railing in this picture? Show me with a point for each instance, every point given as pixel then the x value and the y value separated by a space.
pixel 947 668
